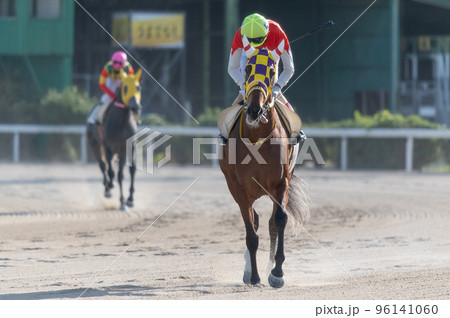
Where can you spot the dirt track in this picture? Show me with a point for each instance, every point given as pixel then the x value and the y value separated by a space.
pixel 383 235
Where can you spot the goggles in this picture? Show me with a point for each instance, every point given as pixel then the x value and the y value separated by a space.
pixel 117 63
pixel 259 40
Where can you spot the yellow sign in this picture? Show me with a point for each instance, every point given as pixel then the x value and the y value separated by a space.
pixel 157 30
pixel 424 43
pixel 121 28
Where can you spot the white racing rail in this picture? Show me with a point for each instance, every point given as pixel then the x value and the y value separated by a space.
pixel 311 132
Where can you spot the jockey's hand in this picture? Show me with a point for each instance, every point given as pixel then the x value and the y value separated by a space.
pixel 242 89
pixel 276 91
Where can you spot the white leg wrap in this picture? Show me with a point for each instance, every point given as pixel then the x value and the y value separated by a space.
pixel 270 266
pixel 247 268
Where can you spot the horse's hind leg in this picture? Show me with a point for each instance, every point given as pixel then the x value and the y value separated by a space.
pixel 273 232
pixel 251 221
pixel 97 149
pixel 130 201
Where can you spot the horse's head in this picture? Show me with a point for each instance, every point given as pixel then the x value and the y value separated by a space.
pixel 259 79
pixel 258 92
pixel 130 91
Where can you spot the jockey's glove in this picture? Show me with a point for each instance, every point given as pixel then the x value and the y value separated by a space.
pixel 276 91
pixel 242 89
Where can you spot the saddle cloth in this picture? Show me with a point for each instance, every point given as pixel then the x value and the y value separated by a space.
pixel 291 121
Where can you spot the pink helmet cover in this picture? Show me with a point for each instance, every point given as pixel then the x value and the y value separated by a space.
pixel 119 57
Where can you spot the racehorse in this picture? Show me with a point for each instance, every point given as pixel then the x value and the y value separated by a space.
pixel 119 124
pixel 260 133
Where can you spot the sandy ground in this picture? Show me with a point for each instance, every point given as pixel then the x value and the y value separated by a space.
pixel 382 235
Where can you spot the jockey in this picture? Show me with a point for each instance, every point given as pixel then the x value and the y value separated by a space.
pixel 110 80
pixel 260 33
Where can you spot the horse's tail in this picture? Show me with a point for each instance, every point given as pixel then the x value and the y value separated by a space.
pixel 298 203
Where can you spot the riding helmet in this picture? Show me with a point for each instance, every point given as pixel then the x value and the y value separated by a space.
pixel 255 27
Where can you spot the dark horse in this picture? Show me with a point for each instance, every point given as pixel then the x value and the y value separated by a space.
pixel 119 124
pixel 259 134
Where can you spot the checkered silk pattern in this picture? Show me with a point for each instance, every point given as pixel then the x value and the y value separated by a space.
pixel 261 62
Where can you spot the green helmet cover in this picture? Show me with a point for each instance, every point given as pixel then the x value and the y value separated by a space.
pixel 255 27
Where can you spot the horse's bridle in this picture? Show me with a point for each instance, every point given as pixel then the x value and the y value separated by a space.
pixel 267 106
pixel 258 142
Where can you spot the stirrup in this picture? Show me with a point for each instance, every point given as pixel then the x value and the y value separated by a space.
pixel 301 137
pixel 223 139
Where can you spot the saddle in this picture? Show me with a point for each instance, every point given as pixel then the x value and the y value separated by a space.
pixel 229 116
pixel 227 119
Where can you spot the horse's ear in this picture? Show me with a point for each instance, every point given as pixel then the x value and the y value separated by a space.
pixel 123 75
pixel 139 74
pixel 248 70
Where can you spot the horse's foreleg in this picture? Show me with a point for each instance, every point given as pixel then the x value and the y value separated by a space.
pixel 109 156
pixel 276 278
pixel 99 154
pixel 130 201
pixel 120 179
pixel 251 221
pixel 102 165
pixel 101 158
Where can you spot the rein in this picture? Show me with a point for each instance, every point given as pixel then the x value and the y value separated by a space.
pixel 118 104
pixel 258 142
pixel 266 107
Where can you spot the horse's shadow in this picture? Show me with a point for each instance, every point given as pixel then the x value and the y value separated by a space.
pixel 131 290
pixel 113 291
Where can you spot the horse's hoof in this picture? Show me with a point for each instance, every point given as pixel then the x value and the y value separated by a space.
pixel 248 279
pixel 130 203
pixel 108 194
pixel 276 282
pixel 255 281
pixel 123 207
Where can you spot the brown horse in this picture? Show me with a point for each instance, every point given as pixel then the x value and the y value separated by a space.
pixel 255 162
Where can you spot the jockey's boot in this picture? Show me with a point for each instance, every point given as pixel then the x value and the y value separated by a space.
pixel 223 140
pixel 101 111
pixel 239 100
pixel 301 137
